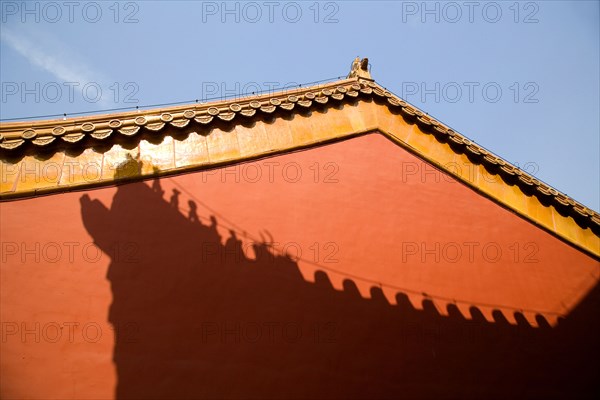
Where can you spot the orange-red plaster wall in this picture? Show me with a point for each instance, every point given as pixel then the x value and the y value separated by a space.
pixel 364 210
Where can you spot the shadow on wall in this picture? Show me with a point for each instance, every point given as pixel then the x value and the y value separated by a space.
pixel 195 318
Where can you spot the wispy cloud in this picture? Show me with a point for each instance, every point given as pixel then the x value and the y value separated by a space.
pixel 53 58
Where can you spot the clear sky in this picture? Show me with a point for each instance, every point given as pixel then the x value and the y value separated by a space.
pixel 520 78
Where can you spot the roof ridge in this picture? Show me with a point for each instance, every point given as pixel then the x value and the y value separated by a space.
pixel 491 157
pixel 10 130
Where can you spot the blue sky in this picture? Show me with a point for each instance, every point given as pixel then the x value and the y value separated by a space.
pixel 520 78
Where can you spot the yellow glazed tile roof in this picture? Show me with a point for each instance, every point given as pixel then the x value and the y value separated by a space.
pixel 79 153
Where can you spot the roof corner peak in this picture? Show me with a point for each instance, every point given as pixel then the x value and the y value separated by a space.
pixel 360 69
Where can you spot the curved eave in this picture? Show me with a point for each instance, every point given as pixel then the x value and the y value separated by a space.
pixel 84 152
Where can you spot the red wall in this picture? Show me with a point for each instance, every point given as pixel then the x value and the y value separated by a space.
pixel 408 283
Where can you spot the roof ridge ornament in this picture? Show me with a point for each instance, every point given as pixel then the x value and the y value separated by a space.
pixel 360 69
